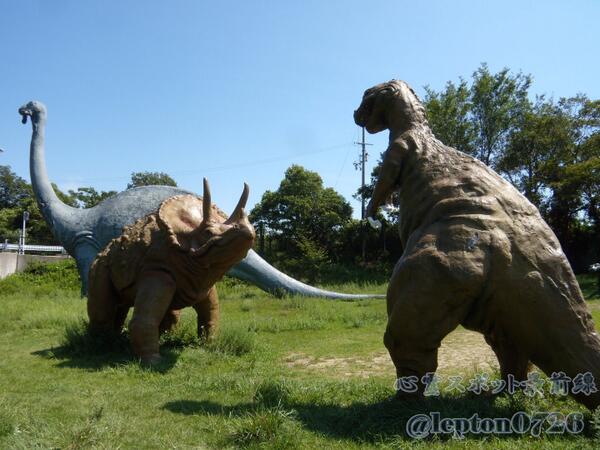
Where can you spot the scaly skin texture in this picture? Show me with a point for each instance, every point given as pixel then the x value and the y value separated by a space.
pixel 477 253
pixel 164 262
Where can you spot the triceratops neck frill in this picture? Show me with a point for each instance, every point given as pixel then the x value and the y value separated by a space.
pixel 180 216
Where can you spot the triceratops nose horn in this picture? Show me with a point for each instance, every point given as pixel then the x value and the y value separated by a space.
pixel 206 202
pixel 238 212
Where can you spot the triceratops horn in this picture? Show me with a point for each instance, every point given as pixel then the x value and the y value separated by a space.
pixel 239 209
pixel 206 202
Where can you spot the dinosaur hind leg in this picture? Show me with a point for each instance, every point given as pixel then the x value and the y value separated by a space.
pixel 512 359
pixel 120 317
pixel 170 321
pixel 425 302
pixel 103 299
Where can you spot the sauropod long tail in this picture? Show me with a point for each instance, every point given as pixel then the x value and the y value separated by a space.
pixel 257 271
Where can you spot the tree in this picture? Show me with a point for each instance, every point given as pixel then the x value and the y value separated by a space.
pixel 88 197
pixel 302 218
pixel 448 113
pixel 150 179
pixel 13 188
pixel 16 197
pixel 534 151
pixel 498 104
pixel 478 119
pixel 554 159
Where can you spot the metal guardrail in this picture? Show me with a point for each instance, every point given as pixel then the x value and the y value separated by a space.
pixel 5 247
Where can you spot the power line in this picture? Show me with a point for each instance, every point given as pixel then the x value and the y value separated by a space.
pixel 225 167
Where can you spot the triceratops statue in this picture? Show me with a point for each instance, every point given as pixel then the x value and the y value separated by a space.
pixel 164 262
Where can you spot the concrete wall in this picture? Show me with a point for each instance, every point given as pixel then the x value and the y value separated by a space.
pixel 12 262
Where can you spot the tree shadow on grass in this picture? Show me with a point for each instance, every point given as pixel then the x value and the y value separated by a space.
pixel 375 422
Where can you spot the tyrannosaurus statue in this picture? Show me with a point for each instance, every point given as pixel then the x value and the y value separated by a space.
pixel 164 262
pixel 477 253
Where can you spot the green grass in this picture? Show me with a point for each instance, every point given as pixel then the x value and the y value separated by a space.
pixel 62 388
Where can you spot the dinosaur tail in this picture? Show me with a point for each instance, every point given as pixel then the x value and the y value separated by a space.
pixel 257 271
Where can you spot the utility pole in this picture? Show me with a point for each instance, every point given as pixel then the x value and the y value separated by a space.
pixel 362 164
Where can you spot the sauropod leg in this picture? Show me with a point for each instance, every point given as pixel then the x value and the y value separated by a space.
pixel 208 314
pixel 154 295
pixel 170 321
pixel 103 299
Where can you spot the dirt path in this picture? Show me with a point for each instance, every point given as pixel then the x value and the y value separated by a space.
pixel 461 351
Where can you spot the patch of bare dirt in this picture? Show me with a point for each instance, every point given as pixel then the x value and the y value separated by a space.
pixel 461 351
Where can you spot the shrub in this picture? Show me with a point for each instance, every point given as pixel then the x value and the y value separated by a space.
pixel 44 277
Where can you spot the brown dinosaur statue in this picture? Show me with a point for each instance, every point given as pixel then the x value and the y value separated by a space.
pixel 477 253
pixel 166 261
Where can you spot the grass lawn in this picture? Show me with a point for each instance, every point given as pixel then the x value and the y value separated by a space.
pixel 283 373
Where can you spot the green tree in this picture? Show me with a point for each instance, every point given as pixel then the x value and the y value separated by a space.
pixel 16 197
pixel 150 179
pixel 499 102
pixel 554 159
pixel 478 119
pixel 449 115
pixel 302 218
pixel 13 188
pixel 88 197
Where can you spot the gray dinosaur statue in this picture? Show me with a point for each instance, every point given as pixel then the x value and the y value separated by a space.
pixel 85 232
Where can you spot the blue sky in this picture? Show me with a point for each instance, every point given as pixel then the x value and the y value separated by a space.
pixel 240 90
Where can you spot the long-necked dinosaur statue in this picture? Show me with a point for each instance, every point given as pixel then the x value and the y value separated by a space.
pixel 85 232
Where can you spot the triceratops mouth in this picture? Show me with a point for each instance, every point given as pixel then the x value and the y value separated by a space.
pixel 221 241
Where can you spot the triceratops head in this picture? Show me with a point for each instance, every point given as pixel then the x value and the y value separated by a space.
pixel 200 229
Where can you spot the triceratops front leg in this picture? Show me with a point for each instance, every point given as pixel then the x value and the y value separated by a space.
pixel 153 298
pixel 208 314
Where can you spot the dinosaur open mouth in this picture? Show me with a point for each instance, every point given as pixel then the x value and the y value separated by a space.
pixel 24 117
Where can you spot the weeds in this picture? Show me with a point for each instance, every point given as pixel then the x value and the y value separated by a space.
pixel 233 341
pixel 273 426
pixel 7 425
pixel 79 341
